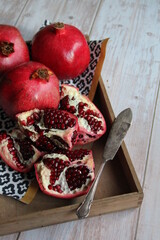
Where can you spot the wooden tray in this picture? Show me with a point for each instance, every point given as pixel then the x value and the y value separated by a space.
pixel 118 188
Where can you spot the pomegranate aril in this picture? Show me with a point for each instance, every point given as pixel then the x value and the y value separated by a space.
pixel 18 151
pixel 66 178
pixel 56 116
pixel 94 124
pixel 3 136
pixel 73 175
pixel 30 120
pixel 36 116
pixel 50 187
pixel 44 144
pixel 54 126
pixel 56 166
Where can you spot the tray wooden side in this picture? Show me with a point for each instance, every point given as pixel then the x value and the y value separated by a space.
pixel 123 152
pixel 25 217
pixel 65 214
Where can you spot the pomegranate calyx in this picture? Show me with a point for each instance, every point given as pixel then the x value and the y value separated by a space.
pixel 58 25
pixel 41 73
pixel 6 48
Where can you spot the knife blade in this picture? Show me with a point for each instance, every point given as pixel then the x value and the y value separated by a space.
pixel 116 135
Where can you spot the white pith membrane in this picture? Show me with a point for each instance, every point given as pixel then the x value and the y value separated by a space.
pixel 43 174
pixel 66 135
pixel 6 155
pixel 84 128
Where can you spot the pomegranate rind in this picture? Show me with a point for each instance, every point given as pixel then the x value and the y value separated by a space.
pixel 43 176
pixel 20 55
pixel 64 50
pixel 8 158
pixel 85 133
pixel 51 133
pixel 22 90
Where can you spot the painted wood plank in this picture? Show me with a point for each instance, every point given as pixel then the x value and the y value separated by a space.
pixel 131 67
pixel 9 237
pixel 10 11
pixel 131 74
pixel 149 220
pixel 81 15
pixel 35 14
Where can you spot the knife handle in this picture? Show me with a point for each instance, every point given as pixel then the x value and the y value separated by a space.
pixel 84 208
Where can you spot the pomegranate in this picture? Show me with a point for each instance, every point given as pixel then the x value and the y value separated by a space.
pixel 62 48
pixel 49 127
pixel 90 120
pixel 66 174
pixel 17 151
pixel 28 86
pixel 13 49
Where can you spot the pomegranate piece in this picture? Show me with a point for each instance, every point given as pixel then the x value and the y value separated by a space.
pixel 13 49
pixel 66 174
pixel 62 48
pixel 91 122
pixel 49 128
pixel 17 151
pixel 28 86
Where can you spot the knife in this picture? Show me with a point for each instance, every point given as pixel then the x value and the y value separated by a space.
pixel 116 135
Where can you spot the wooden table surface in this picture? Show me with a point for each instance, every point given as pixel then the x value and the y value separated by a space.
pixel 131 74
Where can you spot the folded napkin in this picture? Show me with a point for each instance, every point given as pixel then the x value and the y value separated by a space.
pixel 23 187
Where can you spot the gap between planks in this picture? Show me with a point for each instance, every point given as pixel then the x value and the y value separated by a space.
pixel 98 8
pixel 147 160
pixel 21 12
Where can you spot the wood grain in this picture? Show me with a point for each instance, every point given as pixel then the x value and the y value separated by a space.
pixel 131 74
pixel 149 221
pixel 9 237
pixel 72 12
pixel 10 11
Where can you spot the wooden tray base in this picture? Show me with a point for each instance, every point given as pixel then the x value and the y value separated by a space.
pixel 118 188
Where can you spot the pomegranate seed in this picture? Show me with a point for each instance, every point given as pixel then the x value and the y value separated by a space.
pixel 50 187
pixel 23 122
pixel 72 109
pixel 36 116
pixel 30 120
pixel 56 166
pixel 74 174
pixel 54 188
pixel 57 117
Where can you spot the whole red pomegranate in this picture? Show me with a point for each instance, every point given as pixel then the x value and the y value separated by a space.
pixel 13 49
pixel 28 86
pixel 62 48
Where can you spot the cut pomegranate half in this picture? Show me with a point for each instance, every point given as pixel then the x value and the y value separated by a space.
pixel 17 151
pixel 66 174
pixel 91 122
pixel 49 128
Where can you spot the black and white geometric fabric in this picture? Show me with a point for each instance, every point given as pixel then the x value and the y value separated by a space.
pixel 15 184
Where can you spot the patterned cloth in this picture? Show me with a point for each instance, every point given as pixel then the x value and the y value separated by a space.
pixel 15 184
